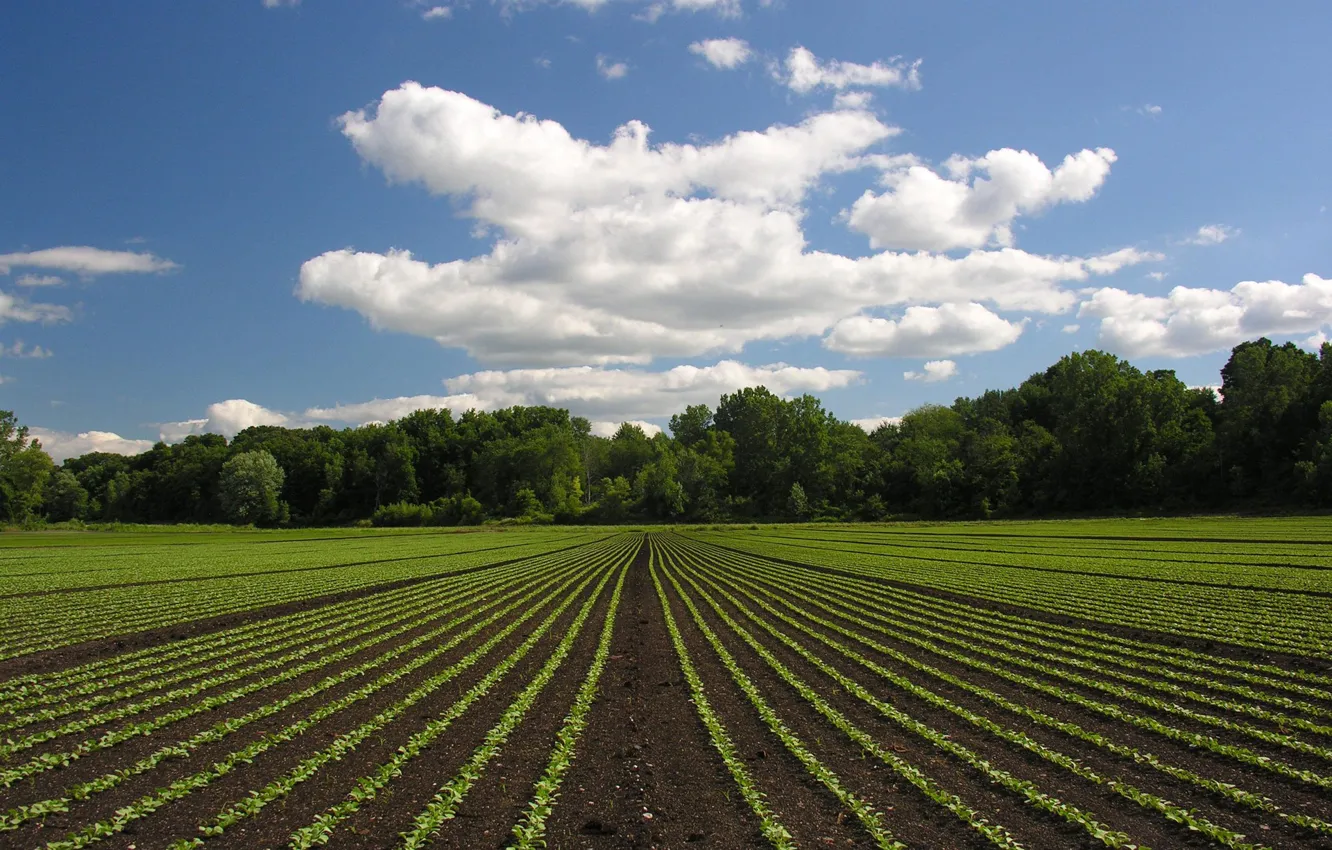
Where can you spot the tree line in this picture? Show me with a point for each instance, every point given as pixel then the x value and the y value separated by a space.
pixel 1090 434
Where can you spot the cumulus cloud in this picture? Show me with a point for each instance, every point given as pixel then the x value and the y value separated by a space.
pixel 608 429
pixel 227 418
pixel 39 280
pixel 933 371
pixel 1212 234
pixel 623 252
pixel 723 8
pixel 802 73
pixel 875 422
pixel 923 331
pixel 611 70
pixel 435 13
pixel 15 309
pixel 599 394
pixel 1196 321
pixel 86 261
pixel 975 205
pixel 1070 329
pixel 61 445
pixel 853 100
pixel 18 349
pixel 722 52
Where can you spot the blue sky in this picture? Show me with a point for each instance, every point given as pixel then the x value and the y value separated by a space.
pixel 205 205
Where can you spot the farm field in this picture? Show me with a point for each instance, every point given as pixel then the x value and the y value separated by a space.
pixel 1118 683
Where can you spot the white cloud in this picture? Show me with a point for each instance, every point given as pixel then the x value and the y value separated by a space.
pixel 853 100
pixel 723 8
pixel 541 62
pixel 18 349
pixel 86 261
pixel 923 331
pixel 1195 321
pixel 597 393
pixel 273 4
pixel 227 418
pixel 60 445
pixel 435 13
pixel 15 309
pixel 802 73
pixel 39 280
pixel 611 70
pixel 1149 109
pixel 601 395
pixel 1070 329
pixel 933 371
pixel 1116 260
pixel 1212 234
pixel 608 428
pixel 924 211
pixel 874 423
pixel 722 52
pixel 1158 276
pixel 629 251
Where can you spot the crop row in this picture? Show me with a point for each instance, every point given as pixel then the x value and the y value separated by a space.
pixel 728 582
pixel 483 605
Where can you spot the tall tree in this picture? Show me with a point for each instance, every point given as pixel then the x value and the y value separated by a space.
pixel 250 485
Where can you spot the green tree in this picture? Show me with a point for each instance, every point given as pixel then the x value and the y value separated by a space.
pixel 250 485
pixel 65 497
pixel 24 471
pixel 797 503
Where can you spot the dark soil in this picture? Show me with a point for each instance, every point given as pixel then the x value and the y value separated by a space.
pixel 645 774
pixel 645 752
pixel 80 653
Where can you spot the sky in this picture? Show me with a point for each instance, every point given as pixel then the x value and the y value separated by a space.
pixel 221 215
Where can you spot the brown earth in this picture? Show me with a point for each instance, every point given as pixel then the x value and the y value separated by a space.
pixel 645 773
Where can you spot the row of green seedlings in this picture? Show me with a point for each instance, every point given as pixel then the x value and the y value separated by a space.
pixel 61 759
pixel 811 595
pixel 309 641
pixel 1134 606
pixel 1210 562
pixel 368 787
pixel 75 570
pixel 1282 721
pixel 530 832
pixel 469 600
pixel 870 819
pixel 863 809
pixel 1260 617
pixel 1266 675
pixel 178 661
pixel 473 607
pixel 98 614
pixel 197 658
pixel 1029 791
pixel 181 788
pixel 1126 650
pixel 1039 634
pixel 1279 719
pixel 1154 803
pixel 769 826
pixel 1249 575
pixel 444 805
pixel 126 667
pixel 1027 660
